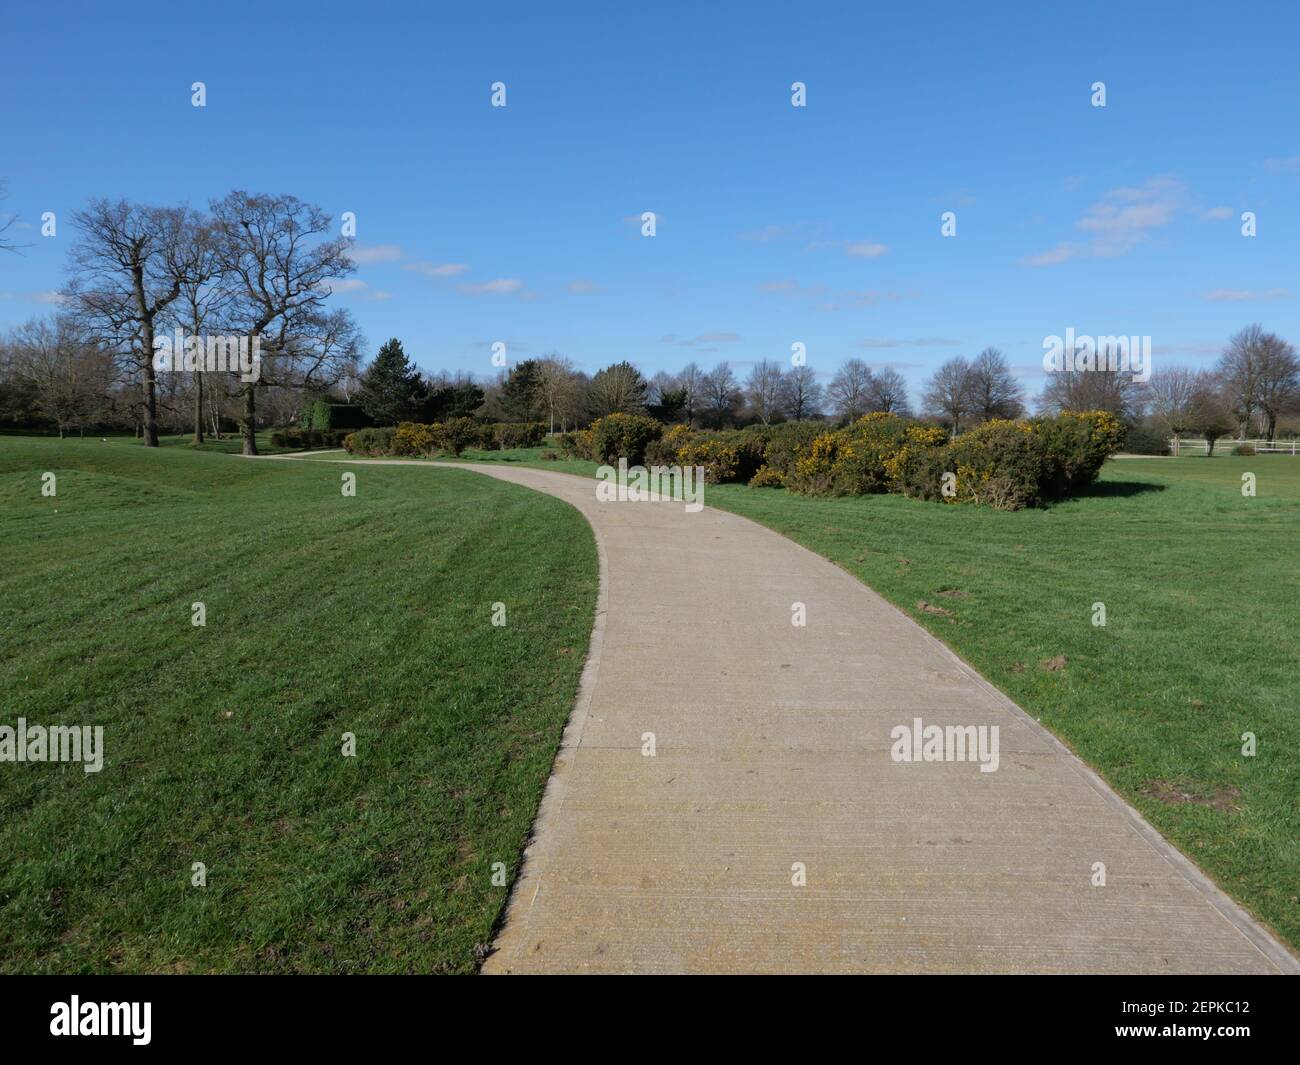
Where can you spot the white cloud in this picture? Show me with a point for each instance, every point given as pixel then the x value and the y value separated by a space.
pixel 581 286
pixel 1241 295
pixel 1121 220
pixel 1289 165
pixel 35 297
pixel 865 250
pixel 428 269
pixel 500 287
pixel 374 253
pixel 1217 214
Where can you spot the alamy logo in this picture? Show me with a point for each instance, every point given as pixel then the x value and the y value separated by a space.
pixel 208 354
pixel 946 743
pixel 102 1018
pixel 58 743
pixel 683 484
pixel 1083 352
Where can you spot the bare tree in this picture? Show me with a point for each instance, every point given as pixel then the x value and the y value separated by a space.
pixel 128 267
pixel 1239 369
pixel 948 391
pixel 275 253
pixel 1279 381
pixel 994 391
pixel 558 387
pixel 1079 390
pixel 1170 393
pixel 802 395
pixel 722 393
pixel 887 392
pixel 1210 409
pixel 6 222
pixel 617 389
pixel 850 390
pixel 692 382
pixel 763 389
pixel 68 375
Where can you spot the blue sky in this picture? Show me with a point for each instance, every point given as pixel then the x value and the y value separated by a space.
pixel 776 224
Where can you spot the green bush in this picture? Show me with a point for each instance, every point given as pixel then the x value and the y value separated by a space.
pixel 456 435
pixel 999 464
pixel 1143 440
pixel 1244 449
pixel 508 435
pixel 412 438
pixel 623 436
pixel 578 444
pixel 370 442
pixel 322 414
pixel 1074 448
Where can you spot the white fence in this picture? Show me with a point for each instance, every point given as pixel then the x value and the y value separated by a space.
pixel 1223 446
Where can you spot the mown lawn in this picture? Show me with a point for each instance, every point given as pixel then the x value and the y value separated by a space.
pixel 325 615
pixel 1201 587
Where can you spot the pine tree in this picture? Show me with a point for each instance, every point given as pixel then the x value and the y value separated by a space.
pixel 390 387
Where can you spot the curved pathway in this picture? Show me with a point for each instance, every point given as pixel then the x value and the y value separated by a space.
pixel 773 753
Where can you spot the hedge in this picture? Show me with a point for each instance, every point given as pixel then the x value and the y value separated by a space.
pixel 307 439
pixel 322 414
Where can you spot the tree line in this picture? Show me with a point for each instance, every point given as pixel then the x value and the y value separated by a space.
pixel 252 265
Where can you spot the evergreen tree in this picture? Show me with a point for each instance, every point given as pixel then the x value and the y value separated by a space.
pixel 390 388
pixel 521 394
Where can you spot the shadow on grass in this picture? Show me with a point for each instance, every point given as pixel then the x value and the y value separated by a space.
pixel 1117 490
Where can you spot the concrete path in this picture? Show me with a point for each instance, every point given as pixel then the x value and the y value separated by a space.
pixel 773 747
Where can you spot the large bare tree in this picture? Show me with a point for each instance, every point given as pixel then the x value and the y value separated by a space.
pixel 948 391
pixel 850 390
pixel 1170 396
pixel 887 392
pixel 763 389
pixel 802 394
pixel 994 391
pixel 68 376
pixel 1279 381
pixel 1239 369
pixel 128 267
pixel 275 252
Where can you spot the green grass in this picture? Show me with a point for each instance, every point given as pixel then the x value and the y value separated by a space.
pixel 325 615
pixel 1201 587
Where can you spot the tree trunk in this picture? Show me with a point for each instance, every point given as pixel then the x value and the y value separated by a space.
pixel 198 407
pixel 249 426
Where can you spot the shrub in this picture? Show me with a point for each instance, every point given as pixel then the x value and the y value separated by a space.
pixel 455 436
pixel 719 459
pixel 998 464
pixel 519 434
pixel 1143 440
pixel 578 444
pixel 322 414
pixel 766 477
pixel 1244 449
pixel 412 438
pixel 549 456
pixel 786 442
pixel 370 442
pixel 663 452
pixel 286 438
pixel 617 436
pixel 1074 448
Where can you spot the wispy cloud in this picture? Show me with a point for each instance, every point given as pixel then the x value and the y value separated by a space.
pixel 866 250
pixel 1216 214
pixel 874 343
pixel 1241 295
pixel 48 296
pixel 502 286
pixel 703 338
pixel 582 287
pixel 428 269
pixel 363 254
pixel 1288 165
pixel 1123 219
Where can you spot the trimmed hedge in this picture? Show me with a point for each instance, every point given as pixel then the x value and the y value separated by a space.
pixel 371 442
pixel 322 414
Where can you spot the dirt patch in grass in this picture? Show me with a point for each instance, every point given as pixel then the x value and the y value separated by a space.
pixel 1225 799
